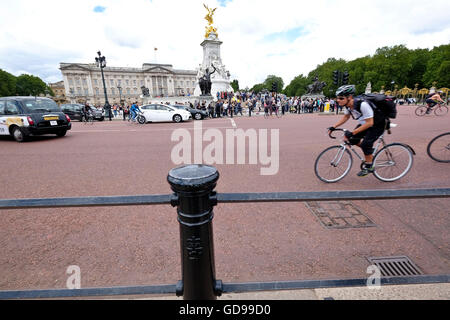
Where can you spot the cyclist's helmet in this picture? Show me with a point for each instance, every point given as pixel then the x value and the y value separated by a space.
pixel 346 90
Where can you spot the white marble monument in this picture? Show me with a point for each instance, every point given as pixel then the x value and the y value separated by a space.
pixel 220 78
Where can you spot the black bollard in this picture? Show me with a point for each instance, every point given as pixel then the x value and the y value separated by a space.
pixel 194 198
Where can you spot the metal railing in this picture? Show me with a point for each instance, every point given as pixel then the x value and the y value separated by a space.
pixel 194 197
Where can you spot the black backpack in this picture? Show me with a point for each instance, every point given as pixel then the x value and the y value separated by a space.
pixel 386 105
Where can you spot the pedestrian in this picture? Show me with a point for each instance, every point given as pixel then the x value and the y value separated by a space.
pixel 218 107
pixel 125 110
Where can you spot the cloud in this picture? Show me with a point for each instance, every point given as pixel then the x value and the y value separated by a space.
pixel 260 37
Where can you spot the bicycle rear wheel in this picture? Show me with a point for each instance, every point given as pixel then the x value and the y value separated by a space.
pixel 392 162
pixel 333 164
pixel 439 148
pixel 441 110
pixel 420 111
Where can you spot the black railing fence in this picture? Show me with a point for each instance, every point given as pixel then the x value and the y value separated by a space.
pixel 194 197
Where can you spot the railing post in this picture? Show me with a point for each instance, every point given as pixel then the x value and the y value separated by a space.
pixel 194 198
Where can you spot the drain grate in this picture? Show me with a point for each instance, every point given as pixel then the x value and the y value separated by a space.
pixel 395 266
pixel 339 214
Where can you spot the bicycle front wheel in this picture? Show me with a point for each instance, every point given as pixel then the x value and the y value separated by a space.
pixel 333 164
pixel 439 148
pixel 392 162
pixel 441 111
pixel 420 111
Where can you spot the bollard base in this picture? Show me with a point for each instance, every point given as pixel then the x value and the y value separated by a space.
pixel 218 288
pixel 179 288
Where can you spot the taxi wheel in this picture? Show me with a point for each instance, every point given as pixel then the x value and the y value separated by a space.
pixel 61 133
pixel 18 135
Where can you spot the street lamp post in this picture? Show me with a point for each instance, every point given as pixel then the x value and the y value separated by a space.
pixel 101 63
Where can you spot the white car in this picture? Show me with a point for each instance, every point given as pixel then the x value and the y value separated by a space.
pixel 164 113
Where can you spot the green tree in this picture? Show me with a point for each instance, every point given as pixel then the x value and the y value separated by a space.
pixel 437 56
pixel 297 87
pixel 7 84
pixel 443 74
pixel 30 85
pixel 235 85
pixel 271 79
pixel 257 88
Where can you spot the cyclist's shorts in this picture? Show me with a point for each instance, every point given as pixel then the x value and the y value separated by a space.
pixel 431 102
pixel 369 137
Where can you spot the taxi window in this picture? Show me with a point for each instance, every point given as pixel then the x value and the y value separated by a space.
pixel 41 105
pixel 2 107
pixel 11 108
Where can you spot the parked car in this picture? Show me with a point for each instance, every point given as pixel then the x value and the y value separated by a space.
pixel 164 113
pixel 196 113
pixel 73 110
pixel 22 117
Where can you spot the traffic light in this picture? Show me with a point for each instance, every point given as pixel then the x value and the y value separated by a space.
pixel 336 77
pixel 345 78
pixel 274 87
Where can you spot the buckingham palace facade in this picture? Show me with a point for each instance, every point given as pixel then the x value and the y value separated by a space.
pixel 83 82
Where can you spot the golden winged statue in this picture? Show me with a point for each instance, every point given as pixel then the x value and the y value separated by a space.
pixel 209 18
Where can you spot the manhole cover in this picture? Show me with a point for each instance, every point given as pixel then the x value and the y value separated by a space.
pixel 395 266
pixel 339 214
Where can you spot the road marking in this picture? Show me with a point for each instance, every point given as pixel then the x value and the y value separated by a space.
pixel 233 123
pixel 134 130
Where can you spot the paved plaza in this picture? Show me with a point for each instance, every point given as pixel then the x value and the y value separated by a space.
pixel 129 246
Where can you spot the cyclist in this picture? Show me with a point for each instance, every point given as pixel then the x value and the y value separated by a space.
pixel 371 125
pixel 85 111
pixel 433 99
pixel 133 111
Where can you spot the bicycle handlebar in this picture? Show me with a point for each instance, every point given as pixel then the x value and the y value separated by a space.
pixel 331 132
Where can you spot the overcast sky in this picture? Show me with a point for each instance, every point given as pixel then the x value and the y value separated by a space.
pixel 260 37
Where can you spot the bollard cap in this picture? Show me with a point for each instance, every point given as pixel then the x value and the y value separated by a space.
pixel 194 177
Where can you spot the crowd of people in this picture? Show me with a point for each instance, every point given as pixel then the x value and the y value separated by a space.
pixel 229 104
pixel 240 103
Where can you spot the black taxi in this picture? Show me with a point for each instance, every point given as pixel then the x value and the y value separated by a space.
pixel 22 117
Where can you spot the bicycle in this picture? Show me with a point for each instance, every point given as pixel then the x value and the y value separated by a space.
pixel 140 118
pixel 274 109
pixel 441 110
pixel 392 162
pixel 439 148
pixel 89 118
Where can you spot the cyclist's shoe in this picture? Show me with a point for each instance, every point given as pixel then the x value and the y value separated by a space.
pixel 367 169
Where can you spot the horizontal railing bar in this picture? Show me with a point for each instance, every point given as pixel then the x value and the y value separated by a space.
pixel 88 292
pixel 143 200
pixel 227 287
pixel 341 283
pixel 333 195
pixel 110 201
